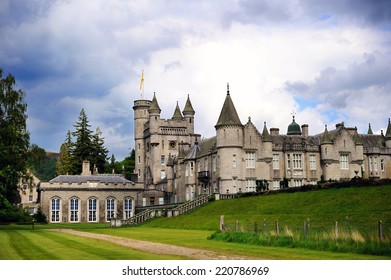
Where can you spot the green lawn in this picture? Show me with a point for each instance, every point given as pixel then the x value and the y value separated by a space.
pixel 24 244
pixel 364 206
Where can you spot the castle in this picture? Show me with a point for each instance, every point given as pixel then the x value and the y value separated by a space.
pixel 173 165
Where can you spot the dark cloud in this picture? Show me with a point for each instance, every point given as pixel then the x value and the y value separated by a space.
pixel 337 87
pixel 364 12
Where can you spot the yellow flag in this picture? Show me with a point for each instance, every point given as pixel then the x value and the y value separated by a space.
pixel 142 81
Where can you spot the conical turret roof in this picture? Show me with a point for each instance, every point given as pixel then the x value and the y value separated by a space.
pixel 265 134
pixel 188 110
pixel 370 130
pixel 177 113
pixel 228 114
pixel 388 132
pixel 325 137
pixel 154 105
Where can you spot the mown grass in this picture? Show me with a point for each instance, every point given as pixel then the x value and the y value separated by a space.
pixel 24 244
pixel 364 206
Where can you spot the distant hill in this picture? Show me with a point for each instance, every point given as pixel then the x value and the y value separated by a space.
pixel 47 169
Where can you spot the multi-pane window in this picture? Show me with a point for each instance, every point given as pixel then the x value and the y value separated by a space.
pixel 110 208
pixel 74 209
pixel 375 166
pixel 92 208
pixel 250 160
pixel 250 186
pixel 276 185
pixel 297 163
pixel 55 210
pixel 344 160
pixel 191 168
pixel 162 174
pixel 312 162
pixel 206 164
pixel 30 198
pixel 234 161
pixel 297 183
pixel 162 160
pixel 214 164
pixel 288 161
pixel 128 205
pixel 276 162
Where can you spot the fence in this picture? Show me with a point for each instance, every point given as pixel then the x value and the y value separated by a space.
pixel 308 227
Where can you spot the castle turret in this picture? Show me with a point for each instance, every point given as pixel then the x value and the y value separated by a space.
pixel 388 135
pixel 154 116
pixel 326 152
pixel 229 143
pixel 188 113
pixel 141 117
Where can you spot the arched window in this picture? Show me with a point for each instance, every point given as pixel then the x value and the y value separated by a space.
pixel 74 210
pixel 110 208
pixel 128 205
pixel 55 213
pixel 92 209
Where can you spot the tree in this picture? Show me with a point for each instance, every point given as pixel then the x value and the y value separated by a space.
pixel 98 151
pixel 64 164
pixel 14 140
pixel 82 148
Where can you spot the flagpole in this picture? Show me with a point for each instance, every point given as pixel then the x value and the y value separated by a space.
pixel 142 85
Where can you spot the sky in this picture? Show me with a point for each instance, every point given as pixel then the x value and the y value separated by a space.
pixel 324 61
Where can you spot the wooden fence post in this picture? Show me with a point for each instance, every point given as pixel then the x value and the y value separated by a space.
pixel 222 226
pixel 264 225
pixel 305 229
pixel 277 228
pixel 347 223
pixel 336 230
pixel 237 225
pixel 380 230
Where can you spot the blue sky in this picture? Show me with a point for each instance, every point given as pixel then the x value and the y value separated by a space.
pixel 329 61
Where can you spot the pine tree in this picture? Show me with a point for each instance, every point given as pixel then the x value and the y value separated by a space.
pixel 82 148
pixel 14 140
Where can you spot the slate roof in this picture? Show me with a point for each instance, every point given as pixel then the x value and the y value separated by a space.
pixel 228 114
pixel 78 179
pixel 177 113
pixel 188 107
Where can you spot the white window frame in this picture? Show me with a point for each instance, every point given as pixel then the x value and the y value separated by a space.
pixel 92 209
pixel 250 160
pixel 276 161
pixel 312 162
pixel 162 160
pixel 250 185
pixel 128 208
pixel 297 161
pixel 74 206
pixel 55 216
pixel 276 185
pixel 110 208
pixel 344 161
pixel 162 174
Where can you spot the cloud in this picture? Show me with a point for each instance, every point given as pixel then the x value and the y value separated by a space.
pixel 276 55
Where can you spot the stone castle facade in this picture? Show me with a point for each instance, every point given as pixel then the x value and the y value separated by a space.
pixel 174 165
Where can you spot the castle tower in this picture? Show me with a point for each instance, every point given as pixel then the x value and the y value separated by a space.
pixel 188 113
pixel 229 143
pixel 326 152
pixel 141 117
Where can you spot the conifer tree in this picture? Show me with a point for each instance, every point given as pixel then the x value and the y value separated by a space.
pixel 98 151
pixel 82 148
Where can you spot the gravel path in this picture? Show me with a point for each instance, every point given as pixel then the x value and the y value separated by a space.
pixel 159 248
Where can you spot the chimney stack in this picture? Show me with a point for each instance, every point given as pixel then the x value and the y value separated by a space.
pixel 86 168
pixel 304 130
